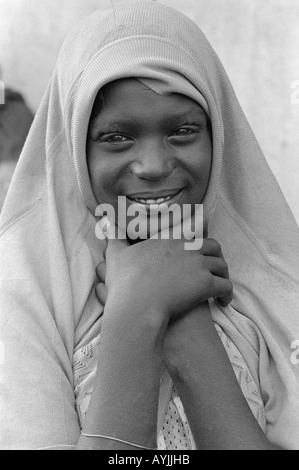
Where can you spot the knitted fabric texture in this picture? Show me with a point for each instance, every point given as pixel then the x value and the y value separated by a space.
pixel 49 251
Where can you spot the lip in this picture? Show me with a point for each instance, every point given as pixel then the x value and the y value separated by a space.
pixel 155 195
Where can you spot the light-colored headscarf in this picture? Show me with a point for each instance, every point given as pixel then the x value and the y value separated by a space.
pixel 49 251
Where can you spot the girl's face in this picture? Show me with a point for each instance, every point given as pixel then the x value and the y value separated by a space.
pixel 148 148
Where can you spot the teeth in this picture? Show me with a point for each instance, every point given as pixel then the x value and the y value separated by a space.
pixel 153 201
pixel 162 199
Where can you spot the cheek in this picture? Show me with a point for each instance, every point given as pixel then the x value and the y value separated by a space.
pixel 105 176
pixel 206 167
pixel 200 170
pixel 202 162
pixel 98 179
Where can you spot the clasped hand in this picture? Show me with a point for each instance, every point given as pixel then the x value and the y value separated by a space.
pixel 162 275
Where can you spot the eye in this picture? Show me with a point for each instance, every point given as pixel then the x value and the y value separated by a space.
pixel 183 132
pixel 114 139
pixel 187 130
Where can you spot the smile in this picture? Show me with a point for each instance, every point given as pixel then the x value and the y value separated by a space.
pixel 154 202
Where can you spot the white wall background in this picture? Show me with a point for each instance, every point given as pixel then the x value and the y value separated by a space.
pixel 257 41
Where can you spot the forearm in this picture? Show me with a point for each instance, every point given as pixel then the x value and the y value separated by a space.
pixel 124 402
pixel 218 413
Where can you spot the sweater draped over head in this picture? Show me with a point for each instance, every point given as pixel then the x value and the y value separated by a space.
pixel 49 251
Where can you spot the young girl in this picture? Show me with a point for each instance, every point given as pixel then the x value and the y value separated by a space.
pixel 140 344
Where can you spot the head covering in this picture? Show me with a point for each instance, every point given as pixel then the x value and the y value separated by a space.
pixel 49 251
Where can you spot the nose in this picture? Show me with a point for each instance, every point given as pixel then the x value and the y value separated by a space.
pixel 153 162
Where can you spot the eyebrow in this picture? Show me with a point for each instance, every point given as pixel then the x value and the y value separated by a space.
pixel 170 118
pixel 190 113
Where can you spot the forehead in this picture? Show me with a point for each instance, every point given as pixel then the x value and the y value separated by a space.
pixel 130 97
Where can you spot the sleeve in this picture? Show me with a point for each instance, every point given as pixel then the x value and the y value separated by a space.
pixel 37 400
pixel 244 378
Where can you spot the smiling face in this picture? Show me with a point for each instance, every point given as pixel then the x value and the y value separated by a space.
pixel 149 148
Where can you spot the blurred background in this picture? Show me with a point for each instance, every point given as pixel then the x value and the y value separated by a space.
pixel 257 41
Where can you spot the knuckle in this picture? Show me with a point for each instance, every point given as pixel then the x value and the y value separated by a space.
pixel 222 264
pixel 230 287
pixel 99 265
pixel 225 267
pixel 101 292
pixel 101 269
pixel 212 241
pixel 215 245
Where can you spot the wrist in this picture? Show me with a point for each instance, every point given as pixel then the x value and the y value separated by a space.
pixel 140 301
pixel 135 320
pixel 189 342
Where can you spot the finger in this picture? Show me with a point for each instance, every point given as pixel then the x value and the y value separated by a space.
pixel 101 292
pixel 225 301
pixel 222 290
pixel 211 247
pixel 101 271
pixel 217 266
